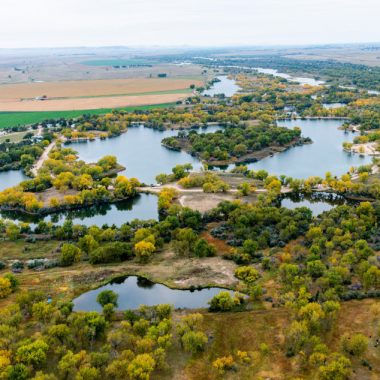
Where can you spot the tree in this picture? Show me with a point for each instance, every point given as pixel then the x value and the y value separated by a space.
pixel 339 368
pixel 33 353
pixel 43 311
pixel 203 249
pixel 144 250
pixel 109 311
pixel 247 274
pixel 107 163
pixel 316 268
pixel 355 345
pixel 18 372
pixel 296 337
pixel 371 277
pixel 107 297
pixel 87 243
pixel 194 341
pixel 5 287
pixel 12 231
pixel 184 242
pixel 141 367
pixel 224 302
pixel 70 254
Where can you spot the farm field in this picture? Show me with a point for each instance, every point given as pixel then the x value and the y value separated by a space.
pixel 87 95
pixel 91 103
pixel 90 88
pixel 12 119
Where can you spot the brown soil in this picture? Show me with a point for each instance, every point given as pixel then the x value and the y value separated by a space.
pixel 69 89
pixel 88 103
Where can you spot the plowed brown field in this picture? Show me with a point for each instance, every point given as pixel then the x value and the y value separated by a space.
pixel 93 94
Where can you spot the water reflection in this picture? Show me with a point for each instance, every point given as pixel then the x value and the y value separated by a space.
pixel 134 291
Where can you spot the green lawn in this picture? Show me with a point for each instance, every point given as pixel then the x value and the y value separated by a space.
pixel 11 119
pixel 117 62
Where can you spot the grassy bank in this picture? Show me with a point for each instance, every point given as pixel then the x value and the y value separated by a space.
pixel 12 119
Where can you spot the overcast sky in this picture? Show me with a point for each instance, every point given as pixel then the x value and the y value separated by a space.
pixel 53 23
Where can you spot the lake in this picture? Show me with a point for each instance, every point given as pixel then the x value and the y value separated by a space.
pixel 318 202
pixel 323 155
pixel 140 151
pixel 226 86
pixel 11 178
pixel 134 291
pixel 143 206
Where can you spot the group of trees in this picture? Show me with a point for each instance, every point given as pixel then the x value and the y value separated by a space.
pixel 252 227
pixel 233 143
pixel 63 171
pixel 209 181
pixel 23 154
pixel 60 344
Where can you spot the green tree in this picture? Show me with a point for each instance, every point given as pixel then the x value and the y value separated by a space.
pixel 33 353
pixel 107 297
pixel 141 367
pixel 18 372
pixel 70 254
pixel 109 311
pixel 338 368
pixel 355 345
pixel 203 249
pixel 144 250
pixel 194 341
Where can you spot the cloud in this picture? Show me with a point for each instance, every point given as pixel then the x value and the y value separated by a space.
pixel 36 23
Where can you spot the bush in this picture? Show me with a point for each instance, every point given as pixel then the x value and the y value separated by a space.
pixel 70 254
pixel 225 302
pixel 194 341
pixel 111 253
pixel 355 345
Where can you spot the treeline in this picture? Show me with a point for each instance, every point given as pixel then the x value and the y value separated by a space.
pixel 22 154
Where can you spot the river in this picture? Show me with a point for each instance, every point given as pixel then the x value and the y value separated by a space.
pixel 300 80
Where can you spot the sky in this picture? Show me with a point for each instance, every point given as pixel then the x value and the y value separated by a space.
pixel 62 23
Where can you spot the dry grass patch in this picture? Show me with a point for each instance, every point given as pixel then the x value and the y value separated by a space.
pixel 88 103
pixel 69 89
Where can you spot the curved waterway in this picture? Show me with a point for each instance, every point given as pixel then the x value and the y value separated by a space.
pixel 226 86
pixel 300 80
pixel 135 291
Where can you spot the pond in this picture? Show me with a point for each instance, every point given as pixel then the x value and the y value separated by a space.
pixel 143 206
pixel 323 155
pixel 300 80
pixel 317 202
pixel 330 106
pixel 226 86
pixel 11 178
pixel 134 291
pixel 141 152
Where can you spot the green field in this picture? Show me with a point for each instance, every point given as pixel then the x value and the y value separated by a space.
pixel 117 62
pixel 12 119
